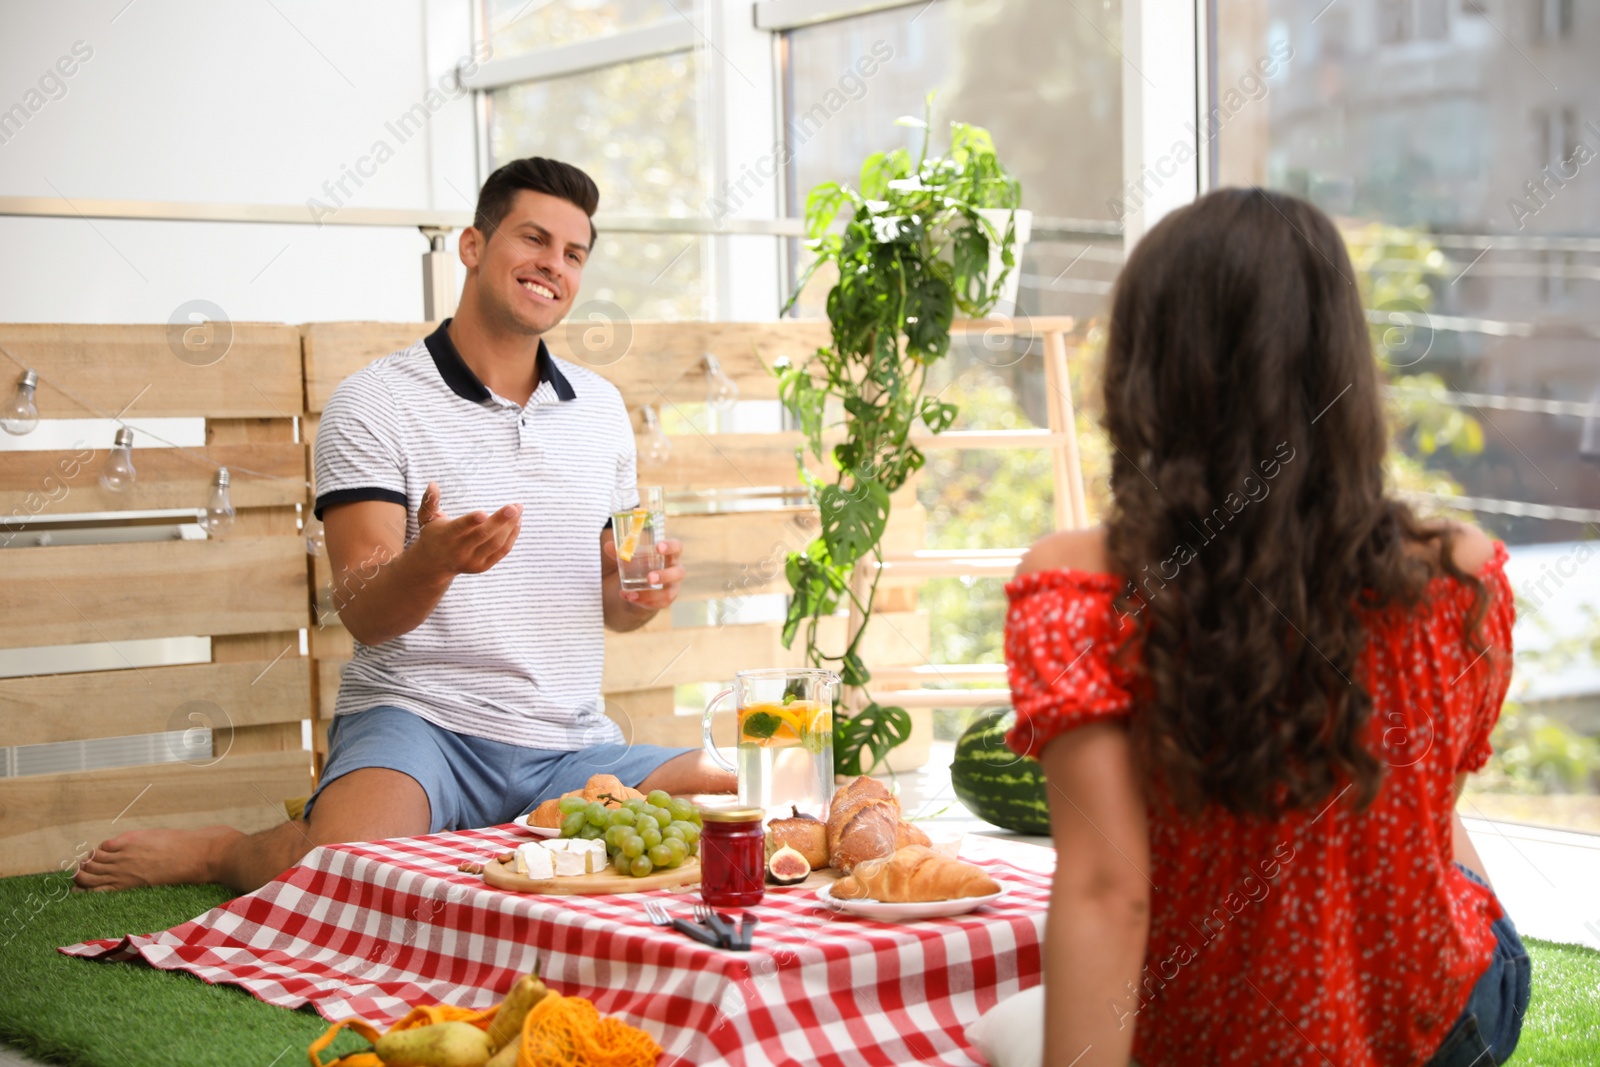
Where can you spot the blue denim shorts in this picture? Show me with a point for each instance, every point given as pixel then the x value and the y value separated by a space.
pixel 471 781
pixel 1488 1029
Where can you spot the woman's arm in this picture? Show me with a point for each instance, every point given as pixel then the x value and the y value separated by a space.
pixel 1100 901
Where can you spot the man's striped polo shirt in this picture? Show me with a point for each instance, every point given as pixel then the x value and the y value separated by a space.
pixel 513 654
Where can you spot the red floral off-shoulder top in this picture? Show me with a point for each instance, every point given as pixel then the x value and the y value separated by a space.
pixel 1326 936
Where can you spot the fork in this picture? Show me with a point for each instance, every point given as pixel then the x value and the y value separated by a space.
pixel 658 916
pixel 724 928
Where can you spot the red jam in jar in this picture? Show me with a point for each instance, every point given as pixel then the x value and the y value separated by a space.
pixel 733 857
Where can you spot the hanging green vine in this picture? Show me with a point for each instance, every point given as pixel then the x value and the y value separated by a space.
pixel 914 251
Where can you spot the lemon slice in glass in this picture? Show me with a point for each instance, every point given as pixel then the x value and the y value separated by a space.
pixel 630 544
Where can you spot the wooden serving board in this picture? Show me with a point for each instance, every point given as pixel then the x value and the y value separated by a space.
pixel 500 876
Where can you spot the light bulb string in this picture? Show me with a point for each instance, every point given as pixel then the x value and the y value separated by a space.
pixel 708 363
pixel 120 421
pixel 709 366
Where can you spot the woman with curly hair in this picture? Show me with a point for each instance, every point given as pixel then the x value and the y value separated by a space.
pixel 1257 690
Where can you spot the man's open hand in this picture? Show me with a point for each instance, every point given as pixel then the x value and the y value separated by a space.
pixel 468 545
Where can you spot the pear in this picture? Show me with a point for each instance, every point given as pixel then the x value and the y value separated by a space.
pixel 506 1028
pixel 453 1044
pixel 506 1057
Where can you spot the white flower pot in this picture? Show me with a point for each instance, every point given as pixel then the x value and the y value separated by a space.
pixel 1000 218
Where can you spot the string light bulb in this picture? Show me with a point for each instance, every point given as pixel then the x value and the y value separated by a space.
pixel 657 445
pixel 118 473
pixel 219 514
pixel 21 415
pixel 316 538
pixel 721 390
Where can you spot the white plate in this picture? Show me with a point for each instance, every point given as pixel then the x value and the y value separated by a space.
pixel 537 831
pixel 899 913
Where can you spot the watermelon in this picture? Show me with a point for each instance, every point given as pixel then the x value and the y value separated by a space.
pixel 995 783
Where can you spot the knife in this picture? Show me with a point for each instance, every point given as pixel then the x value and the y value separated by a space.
pixel 747 929
pixel 724 930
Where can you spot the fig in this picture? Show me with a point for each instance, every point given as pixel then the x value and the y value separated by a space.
pixel 787 867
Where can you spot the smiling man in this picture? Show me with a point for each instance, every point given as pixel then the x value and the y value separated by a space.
pixel 465 484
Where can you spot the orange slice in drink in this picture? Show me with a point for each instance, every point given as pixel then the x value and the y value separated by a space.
pixel 630 544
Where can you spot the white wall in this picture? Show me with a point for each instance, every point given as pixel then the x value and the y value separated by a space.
pixel 239 103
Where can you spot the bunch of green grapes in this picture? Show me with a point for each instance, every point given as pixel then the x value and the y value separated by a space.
pixel 642 835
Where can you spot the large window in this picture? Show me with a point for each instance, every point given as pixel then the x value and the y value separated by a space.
pixel 1454 142
pixel 634 128
pixel 1045 78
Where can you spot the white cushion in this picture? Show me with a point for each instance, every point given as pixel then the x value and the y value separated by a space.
pixel 1011 1034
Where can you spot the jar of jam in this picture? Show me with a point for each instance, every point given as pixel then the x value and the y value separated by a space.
pixel 733 857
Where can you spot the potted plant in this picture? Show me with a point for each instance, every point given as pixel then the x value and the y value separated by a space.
pixel 915 249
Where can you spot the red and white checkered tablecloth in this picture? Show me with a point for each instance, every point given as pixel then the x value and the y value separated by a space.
pixel 373 929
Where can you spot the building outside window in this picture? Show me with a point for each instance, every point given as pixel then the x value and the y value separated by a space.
pixel 1454 143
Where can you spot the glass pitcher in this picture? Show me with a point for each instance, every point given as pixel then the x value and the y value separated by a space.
pixel 785 747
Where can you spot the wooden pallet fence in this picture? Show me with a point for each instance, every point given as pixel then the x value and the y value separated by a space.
pixel 252 593
pixel 253 694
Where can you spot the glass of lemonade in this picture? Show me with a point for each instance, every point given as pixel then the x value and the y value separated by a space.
pixel 785 746
pixel 636 532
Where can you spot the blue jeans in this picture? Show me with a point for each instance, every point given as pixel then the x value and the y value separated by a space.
pixel 1490 1024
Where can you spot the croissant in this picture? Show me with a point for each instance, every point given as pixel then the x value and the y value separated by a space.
pixel 914 874
pixel 547 815
pixel 864 823
pixel 599 786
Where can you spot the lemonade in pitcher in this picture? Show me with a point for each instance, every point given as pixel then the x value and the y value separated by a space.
pixel 786 754
pixel 785 738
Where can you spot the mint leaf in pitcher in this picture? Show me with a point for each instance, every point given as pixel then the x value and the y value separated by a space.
pixel 761 724
pixel 817 741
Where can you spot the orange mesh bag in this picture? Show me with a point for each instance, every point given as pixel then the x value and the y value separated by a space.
pixel 570 1032
pixel 558 1032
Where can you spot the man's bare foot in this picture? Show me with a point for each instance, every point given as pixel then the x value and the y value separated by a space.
pixel 154 857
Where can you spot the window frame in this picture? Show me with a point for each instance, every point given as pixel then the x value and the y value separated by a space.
pixel 779 16
pixel 663 37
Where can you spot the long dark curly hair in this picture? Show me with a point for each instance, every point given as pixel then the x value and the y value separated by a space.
pixel 1249 511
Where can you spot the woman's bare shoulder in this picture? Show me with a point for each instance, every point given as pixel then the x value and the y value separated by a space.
pixel 1470 548
pixel 1082 550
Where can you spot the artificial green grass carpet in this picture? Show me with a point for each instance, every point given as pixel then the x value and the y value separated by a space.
pixel 88 1014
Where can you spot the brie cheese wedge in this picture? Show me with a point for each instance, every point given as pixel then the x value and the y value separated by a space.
pixel 535 861
pixel 570 863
